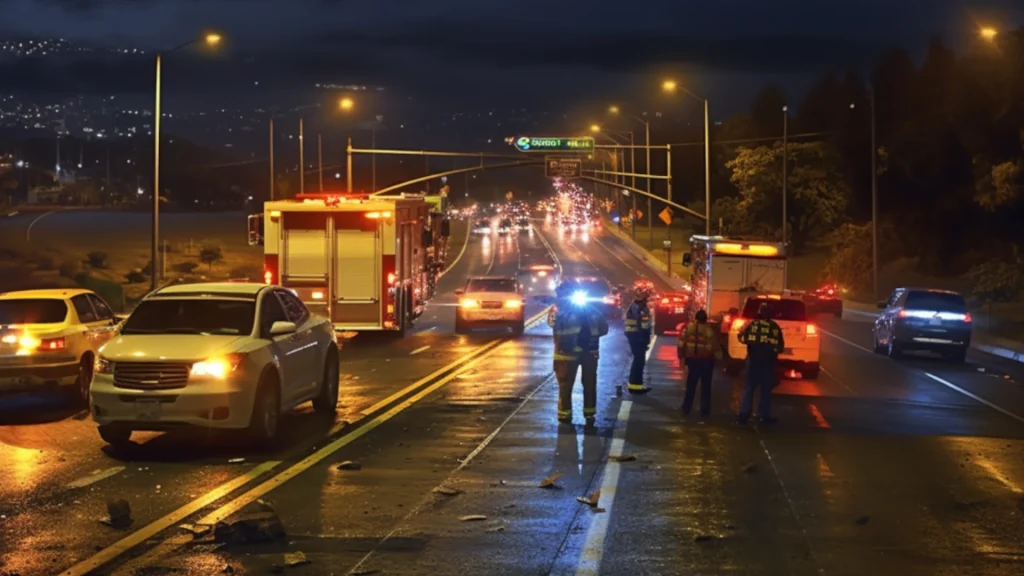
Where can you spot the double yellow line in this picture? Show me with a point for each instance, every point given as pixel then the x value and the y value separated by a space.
pixel 380 413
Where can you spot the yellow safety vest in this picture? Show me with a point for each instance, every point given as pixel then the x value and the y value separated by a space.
pixel 698 340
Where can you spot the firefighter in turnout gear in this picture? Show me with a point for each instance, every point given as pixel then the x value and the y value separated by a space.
pixel 764 341
pixel 577 329
pixel 638 333
pixel 698 348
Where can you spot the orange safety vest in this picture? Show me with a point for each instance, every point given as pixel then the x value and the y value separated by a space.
pixel 698 340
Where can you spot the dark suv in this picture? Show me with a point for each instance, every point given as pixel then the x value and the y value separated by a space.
pixel 924 319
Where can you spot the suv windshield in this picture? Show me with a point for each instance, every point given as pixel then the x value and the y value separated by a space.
pixel 491 285
pixel 33 311
pixel 793 310
pixel 937 301
pixel 191 316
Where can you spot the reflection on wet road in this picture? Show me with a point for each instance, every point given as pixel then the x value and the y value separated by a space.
pixel 877 467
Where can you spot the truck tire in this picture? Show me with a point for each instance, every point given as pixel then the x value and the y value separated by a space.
pixel 811 371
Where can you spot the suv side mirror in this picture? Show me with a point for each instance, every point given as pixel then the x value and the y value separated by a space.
pixel 883 305
pixel 282 328
pixel 687 259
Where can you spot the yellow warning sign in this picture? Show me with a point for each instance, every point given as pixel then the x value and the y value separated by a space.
pixel 666 216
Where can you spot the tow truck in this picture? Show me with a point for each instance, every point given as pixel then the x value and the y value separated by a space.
pixel 369 263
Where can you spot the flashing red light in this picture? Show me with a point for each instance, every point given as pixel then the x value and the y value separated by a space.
pixel 664 300
pixel 268 277
pixel 831 292
pixel 812 330
pixel 391 278
pixel 738 323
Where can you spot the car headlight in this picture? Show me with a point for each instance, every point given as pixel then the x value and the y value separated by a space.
pixel 219 367
pixel 102 366
pixel 579 298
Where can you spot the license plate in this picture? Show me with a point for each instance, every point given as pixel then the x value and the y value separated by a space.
pixel 13 383
pixel 148 409
pixel 935 322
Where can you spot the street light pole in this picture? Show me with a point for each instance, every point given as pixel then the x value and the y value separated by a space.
pixel 373 159
pixel 874 201
pixel 271 157
pixel 707 170
pixel 154 273
pixel 302 162
pixel 785 170
pixel 320 160
pixel 348 166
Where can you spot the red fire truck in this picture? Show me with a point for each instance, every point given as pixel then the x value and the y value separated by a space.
pixel 363 261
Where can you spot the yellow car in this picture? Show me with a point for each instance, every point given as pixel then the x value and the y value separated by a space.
pixel 49 339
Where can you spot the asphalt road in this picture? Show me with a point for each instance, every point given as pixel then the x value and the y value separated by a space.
pixel 909 467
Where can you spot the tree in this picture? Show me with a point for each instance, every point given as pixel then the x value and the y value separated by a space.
pixel 209 253
pixel 998 186
pixel 849 262
pixel 817 193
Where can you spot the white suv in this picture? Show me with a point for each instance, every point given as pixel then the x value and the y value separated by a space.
pixel 215 355
pixel 489 301
pixel 803 345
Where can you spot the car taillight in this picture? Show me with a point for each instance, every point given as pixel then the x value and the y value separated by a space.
pixel 967 318
pixel 738 323
pixel 391 278
pixel 727 319
pixel 664 300
pixel 812 330
pixel 468 303
pixel 268 277
pixel 52 343
pixel 903 314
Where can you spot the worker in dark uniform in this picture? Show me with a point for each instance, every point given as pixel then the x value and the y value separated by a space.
pixel 638 334
pixel 577 329
pixel 698 348
pixel 764 341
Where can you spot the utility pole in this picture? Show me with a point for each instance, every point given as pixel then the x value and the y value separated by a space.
pixel 302 160
pixel 707 170
pixel 320 160
pixel 348 166
pixel 785 169
pixel 106 194
pixel 874 201
pixel 271 158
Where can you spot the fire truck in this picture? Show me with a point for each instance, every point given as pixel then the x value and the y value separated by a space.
pixel 369 263
pixel 726 272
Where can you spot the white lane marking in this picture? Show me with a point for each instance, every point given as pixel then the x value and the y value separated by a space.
pixel 420 349
pixel 593 547
pixel 94 477
pixel 650 348
pixel 494 252
pixel 617 257
pixel 836 378
pixel 952 386
pixel 28 231
pixel 15 213
pixel 551 251
pixel 789 500
pixel 942 381
pixel 461 252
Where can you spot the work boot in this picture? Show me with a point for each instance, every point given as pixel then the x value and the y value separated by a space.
pixel 638 389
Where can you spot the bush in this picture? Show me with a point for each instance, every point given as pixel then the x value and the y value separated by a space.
pixel 849 263
pixel 186 267
pixel 996 282
pixel 97 259
pixel 136 277
pixel 210 252
pixel 69 268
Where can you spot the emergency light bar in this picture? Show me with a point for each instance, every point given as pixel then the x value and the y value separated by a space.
pixel 745 249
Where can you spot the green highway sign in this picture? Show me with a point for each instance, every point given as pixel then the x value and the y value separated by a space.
pixel 546 144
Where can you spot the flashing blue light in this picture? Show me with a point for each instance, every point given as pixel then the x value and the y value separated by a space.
pixel 579 298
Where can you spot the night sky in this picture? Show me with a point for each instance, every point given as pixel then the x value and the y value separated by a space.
pixel 529 51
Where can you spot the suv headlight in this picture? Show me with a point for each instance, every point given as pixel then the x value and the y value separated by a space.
pixel 220 367
pixel 102 366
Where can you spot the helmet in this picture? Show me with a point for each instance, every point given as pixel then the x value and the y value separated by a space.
pixel 701 316
pixel 641 291
pixel 762 310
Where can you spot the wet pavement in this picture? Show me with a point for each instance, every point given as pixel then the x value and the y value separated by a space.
pixel 879 466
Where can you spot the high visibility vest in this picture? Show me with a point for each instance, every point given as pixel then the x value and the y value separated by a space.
pixel 764 334
pixel 638 318
pixel 577 331
pixel 698 340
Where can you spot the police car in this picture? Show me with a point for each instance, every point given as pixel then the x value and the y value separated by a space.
pixel 803 345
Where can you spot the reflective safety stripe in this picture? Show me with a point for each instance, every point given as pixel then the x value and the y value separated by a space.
pixel 567 331
pixel 560 356
pixel 630 322
pixel 589 411
pixel 636 386
pixel 565 413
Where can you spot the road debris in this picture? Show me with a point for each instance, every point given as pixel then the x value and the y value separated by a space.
pixel 197 530
pixel 293 559
pixel 252 525
pixel 472 518
pixel 549 482
pixel 622 458
pixel 119 514
pixel 497 529
pixel 349 465
pixel 590 500
pixel 236 460
pixel 447 491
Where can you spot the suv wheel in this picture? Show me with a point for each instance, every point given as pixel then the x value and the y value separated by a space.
pixel 326 401
pixel 117 436
pixel 266 412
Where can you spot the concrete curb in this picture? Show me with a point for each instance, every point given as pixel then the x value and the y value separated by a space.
pixel 656 265
pixel 980 341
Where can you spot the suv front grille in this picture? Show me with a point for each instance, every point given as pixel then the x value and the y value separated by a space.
pixel 150 375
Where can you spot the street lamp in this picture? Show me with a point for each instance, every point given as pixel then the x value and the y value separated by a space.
pixel 671 87
pixel 346 104
pixel 595 128
pixel 615 111
pixel 988 33
pixel 211 39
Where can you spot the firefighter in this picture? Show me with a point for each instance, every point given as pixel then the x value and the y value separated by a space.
pixel 638 334
pixel 764 341
pixel 577 329
pixel 698 348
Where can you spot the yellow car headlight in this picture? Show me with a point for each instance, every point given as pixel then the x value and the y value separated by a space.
pixel 220 367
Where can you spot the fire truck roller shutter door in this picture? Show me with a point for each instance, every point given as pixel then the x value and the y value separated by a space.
pixel 358 268
pixel 306 254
